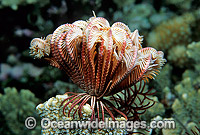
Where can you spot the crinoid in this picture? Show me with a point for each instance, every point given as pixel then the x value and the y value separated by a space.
pixel 101 59
pixel 131 101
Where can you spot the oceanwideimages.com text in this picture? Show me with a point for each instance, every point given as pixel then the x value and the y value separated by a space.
pixel 107 124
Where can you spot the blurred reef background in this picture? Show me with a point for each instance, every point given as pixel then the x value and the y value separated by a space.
pixel 172 26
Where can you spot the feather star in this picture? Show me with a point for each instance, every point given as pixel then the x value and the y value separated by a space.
pixel 101 59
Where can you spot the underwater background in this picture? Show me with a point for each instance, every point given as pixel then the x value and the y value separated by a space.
pixel 171 26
